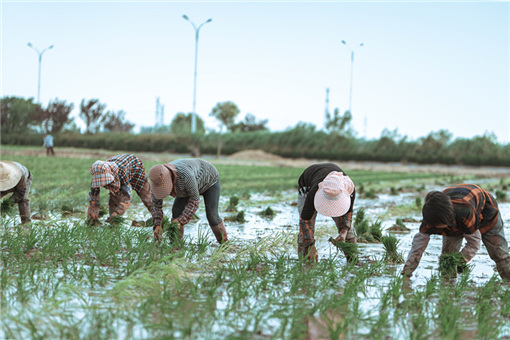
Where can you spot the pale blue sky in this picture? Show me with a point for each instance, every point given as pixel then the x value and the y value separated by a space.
pixel 424 66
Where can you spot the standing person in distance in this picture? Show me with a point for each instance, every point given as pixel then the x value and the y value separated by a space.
pixel 186 180
pixel 462 211
pixel 325 189
pixel 48 143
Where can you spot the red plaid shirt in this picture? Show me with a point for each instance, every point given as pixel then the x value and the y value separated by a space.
pixel 474 207
pixel 131 172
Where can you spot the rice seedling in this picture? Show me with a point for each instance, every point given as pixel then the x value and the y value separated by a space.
pixel 7 207
pixel 418 202
pixel 350 250
pixel 399 226
pixel 232 204
pixel 449 263
pixel 376 230
pixel 392 255
pixel 501 196
pixel 268 213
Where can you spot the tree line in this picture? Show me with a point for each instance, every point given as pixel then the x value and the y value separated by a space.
pixel 22 122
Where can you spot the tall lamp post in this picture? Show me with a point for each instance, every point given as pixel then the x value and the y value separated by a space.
pixel 197 30
pixel 40 54
pixel 352 63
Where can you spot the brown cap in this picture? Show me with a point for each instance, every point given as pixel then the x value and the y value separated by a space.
pixel 161 181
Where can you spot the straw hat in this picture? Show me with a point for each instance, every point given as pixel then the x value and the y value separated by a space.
pixel 161 181
pixel 334 195
pixel 10 174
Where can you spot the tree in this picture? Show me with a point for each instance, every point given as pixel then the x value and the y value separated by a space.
pixel 55 116
pixel 18 114
pixel 181 124
pixel 226 113
pixel 115 122
pixel 92 114
pixel 337 124
pixel 250 124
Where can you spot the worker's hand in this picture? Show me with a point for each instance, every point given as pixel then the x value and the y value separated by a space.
pixel 176 221
pixel 92 222
pixel 158 232
pixel 342 236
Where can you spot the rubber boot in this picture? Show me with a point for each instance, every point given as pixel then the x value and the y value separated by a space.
pixel 220 233
pixel 24 211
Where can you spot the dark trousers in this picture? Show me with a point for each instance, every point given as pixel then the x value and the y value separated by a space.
pixel 50 150
pixel 211 201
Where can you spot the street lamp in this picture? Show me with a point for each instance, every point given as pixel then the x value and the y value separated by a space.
pixel 352 63
pixel 40 54
pixel 197 30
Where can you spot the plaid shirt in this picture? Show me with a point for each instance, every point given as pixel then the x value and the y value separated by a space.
pixel 131 173
pixel 474 208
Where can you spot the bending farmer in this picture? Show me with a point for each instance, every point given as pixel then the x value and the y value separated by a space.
pixel 15 178
pixel 118 174
pixel 186 180
pixel 326 189
pixel 462 211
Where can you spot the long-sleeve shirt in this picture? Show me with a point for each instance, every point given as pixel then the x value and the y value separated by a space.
pixel 193 178
pixel 308 183
pixel 475 209
pixel 20 190
pixel 476 212
pixel 131 174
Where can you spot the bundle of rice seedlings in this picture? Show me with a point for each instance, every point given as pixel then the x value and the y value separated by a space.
pixel 232 204
pixel 7 206
pixel 117 220
pixel 172 231
pixel 390 244
pixel 450 264
pixel 376 230
pixel 350 250
pixel 268 212
pixel 164 222
pixel 399 226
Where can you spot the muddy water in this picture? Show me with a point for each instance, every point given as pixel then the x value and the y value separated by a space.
pixel 286 220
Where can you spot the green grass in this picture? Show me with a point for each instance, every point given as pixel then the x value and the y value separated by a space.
pixel 60 278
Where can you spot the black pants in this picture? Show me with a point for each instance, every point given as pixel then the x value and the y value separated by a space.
pixel 211 201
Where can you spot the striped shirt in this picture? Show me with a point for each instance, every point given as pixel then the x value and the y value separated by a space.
pixel 475 209
pixel 131 173
pixel 194 177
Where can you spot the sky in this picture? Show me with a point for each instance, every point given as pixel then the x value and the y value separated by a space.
pixel 423 66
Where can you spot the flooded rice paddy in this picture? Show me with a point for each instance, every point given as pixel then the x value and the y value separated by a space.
pixel 253 288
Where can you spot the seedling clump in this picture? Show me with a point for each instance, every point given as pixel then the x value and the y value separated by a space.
pixel 232 204
pixel 399 226
pixel 349 249
pixel 451 264
pixel 390 244
pixel 268 212
pixel 7 206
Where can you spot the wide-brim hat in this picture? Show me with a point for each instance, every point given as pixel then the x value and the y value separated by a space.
pixel 161 181
pixel 333 198
pixel 10 174
pixel 103 173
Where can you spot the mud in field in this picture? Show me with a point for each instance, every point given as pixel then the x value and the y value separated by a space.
pixel 259 157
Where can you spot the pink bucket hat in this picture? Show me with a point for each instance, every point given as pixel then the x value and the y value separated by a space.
pixel 161 181
pixel 333 196
pixel 103 173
